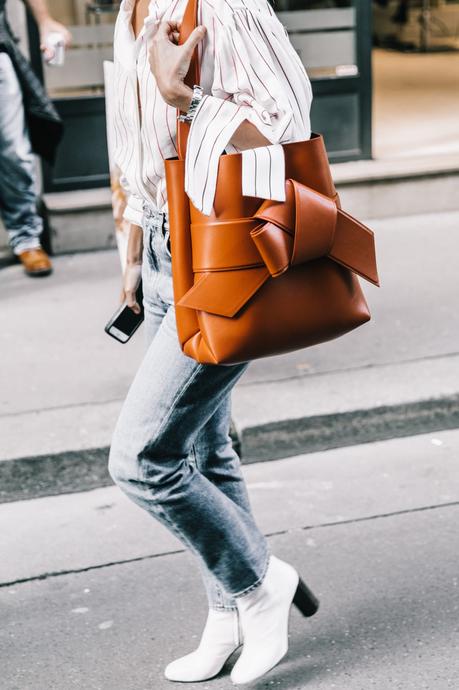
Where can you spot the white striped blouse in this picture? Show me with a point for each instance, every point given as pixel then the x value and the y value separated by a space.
pixel 249 70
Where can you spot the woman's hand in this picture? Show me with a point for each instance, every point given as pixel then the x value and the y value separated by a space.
pixel 47 26
pixel 169 62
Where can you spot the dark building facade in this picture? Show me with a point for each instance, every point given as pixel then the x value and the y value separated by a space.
pixel 332 37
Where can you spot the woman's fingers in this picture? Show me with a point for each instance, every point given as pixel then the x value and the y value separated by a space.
pixel 193 39
pixel 175 26
pixel 168 30
pixel 165 29
pixel 132 302
pixel 169 62
pixel 48 52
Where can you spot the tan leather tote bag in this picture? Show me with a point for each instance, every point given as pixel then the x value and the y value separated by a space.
pixel 260 277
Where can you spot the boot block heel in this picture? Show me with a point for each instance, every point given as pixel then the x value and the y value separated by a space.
pixel 305 600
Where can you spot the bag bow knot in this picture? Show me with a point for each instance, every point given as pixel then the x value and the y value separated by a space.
pixel 281 234
pixel 309 225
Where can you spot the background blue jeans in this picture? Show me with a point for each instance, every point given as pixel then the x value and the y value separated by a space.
pixel 18 199
pixel 171 451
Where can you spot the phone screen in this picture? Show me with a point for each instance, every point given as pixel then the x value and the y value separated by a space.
pixel 127 321
pixel 124 325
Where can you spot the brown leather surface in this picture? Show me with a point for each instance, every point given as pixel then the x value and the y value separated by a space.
pixel 35 262
pixel 260 277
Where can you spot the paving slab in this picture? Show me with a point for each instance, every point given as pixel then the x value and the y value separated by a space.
pixel 388 618
pixel 88 530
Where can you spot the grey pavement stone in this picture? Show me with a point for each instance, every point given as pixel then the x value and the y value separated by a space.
pixel 87 530
pixel 388 618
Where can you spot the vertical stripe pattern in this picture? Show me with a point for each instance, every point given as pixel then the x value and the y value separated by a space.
pixel 263 172
pixel 249 71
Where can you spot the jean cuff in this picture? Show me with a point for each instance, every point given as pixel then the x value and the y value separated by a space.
pixel 24 246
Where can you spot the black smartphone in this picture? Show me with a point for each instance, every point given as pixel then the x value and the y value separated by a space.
pixel 124 321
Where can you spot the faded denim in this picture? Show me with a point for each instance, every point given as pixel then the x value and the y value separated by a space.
pixel 171 452
pixel 18 199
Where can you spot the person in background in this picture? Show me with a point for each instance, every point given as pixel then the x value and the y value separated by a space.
pixel 29 124
pixel 401 15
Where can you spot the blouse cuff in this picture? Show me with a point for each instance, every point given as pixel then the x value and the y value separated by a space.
pixel 213 125
pixel 133 212
pixel 263 172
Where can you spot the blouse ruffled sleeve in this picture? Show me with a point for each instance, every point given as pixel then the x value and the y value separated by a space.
pixel 259 77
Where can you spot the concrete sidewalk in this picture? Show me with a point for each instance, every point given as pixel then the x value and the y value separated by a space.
pixel 88 530
pixel 95 594
pixel 63 380
pixel 388 619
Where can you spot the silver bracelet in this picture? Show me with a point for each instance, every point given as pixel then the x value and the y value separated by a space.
pixel 195 101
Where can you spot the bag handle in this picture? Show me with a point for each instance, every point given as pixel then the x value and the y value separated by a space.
pixel 193 76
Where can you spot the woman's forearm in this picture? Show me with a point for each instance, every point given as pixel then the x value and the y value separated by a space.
pixel 133 270
pixel 135 245
pixel 247 136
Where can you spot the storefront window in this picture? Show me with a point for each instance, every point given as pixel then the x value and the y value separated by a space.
pixel 91 24
pixel 324 35
pixel 322 31
pixel 332 38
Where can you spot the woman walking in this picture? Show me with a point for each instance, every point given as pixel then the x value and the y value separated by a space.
pixel 171 451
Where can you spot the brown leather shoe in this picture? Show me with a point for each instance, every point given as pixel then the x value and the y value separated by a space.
pixel 36 262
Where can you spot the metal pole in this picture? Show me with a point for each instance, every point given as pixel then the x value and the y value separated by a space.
pixel 425 26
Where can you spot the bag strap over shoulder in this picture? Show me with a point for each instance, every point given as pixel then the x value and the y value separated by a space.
pixel 189 22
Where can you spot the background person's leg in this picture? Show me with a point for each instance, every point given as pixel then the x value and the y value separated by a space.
pixel 18 200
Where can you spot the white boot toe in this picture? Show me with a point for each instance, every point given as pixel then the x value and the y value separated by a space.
pixel 219 640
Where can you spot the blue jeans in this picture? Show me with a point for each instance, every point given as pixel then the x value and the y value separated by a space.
pixel 18 200
pixel 171 452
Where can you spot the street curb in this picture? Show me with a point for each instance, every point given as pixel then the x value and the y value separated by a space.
pixel 72 471
pixel 323 432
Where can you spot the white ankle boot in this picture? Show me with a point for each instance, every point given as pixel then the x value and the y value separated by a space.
pixel 220 638
pixel 264 614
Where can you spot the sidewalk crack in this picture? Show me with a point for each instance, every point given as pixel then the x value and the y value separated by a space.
pixel 138 559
